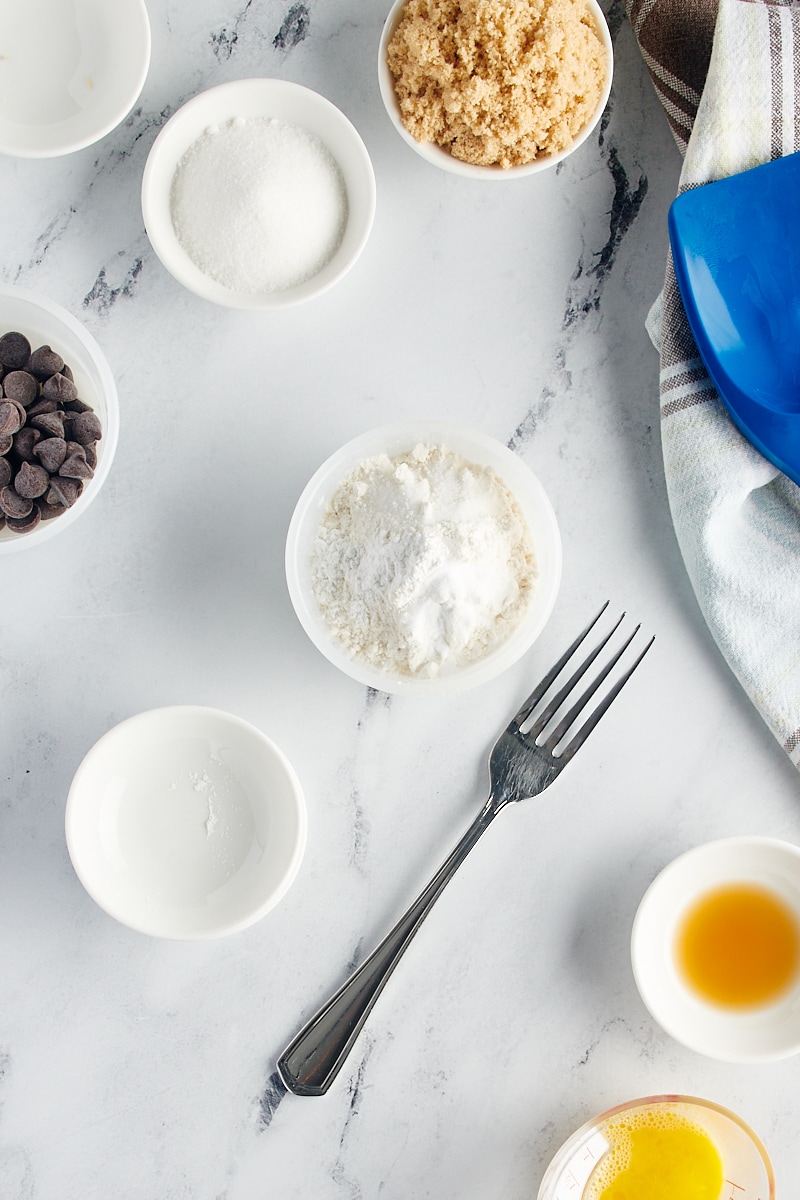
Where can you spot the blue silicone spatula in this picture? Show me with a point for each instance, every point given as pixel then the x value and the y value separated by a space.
pixel 736 249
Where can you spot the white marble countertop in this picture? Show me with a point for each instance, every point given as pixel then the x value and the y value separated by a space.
pixel 132 1067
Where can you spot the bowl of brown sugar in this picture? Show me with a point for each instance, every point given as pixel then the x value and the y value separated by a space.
pixel 495 89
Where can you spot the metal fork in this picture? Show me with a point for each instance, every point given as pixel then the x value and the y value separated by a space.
pixel 520 766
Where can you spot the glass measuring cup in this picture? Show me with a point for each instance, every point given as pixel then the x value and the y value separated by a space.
pixel 747 1171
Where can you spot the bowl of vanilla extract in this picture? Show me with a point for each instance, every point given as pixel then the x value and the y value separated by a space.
pixel 715 949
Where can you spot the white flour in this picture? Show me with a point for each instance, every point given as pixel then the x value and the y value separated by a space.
pixel 423 561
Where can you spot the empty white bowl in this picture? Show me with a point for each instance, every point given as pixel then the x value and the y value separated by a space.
pixel 186 823
pixel 46 323
pixel 70 71
pixel 760 1034
pixel 439 157
pixel 258 98
pixel 475 447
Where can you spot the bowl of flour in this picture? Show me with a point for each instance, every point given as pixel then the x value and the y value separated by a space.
pixel 423 558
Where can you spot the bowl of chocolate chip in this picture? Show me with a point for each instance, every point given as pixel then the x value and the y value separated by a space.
pixel 59 418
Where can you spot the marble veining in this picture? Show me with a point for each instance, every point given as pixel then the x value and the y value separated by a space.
pixel 132 1068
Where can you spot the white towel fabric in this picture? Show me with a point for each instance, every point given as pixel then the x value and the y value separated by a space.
pixel 737 518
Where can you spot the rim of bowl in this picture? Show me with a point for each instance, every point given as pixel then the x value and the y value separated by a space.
pixel 710 1030
pixel 559 1160
pixel 137 12
pixel 107 398
pixel 117 911
pixel 262 97
pixel 475 446
pixel 439 157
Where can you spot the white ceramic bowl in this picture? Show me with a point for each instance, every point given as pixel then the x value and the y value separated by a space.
pixel 71 70
pixel 746 1165
pixel 251 98
pixel 475 447
pixel 46 323
pixel 740 1036
pixel 439 157
pixel 186 823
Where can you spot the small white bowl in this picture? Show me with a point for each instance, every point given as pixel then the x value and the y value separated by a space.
pixel 46 323
pixel 738 1036
pixel 475 447
pixel 442 158
pixel 743 1156
pixel 70 71
pixel 186 823
pixel 252 98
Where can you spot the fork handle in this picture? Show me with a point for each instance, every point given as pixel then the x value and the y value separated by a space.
pixel 313 1059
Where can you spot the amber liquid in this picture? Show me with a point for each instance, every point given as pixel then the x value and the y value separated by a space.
pixel 738 946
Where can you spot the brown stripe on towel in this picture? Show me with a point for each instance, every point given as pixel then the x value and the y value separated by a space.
pixel 792 742
pixel 694 375
pixel 675 38
pixel 796 84
pixel 776 82
pixel 675 406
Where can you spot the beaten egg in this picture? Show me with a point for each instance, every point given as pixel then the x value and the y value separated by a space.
pixel 656 1154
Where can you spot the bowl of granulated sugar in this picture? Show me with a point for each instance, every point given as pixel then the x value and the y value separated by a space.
pixel 258 194
pixel 423 558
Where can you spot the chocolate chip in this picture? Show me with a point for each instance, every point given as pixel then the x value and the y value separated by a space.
pixel 5 444
pixel 51 453
pixel 77 406
pixel 91 454
pixel 5 472
pixel 25 524
pixel 44 362
pixel 85 428
pixel 23 416
pixel 48 511
pixel 76 467
pixel 24 441
pixel 50 423
pixel 58 387
pixel 22 386
pixel 15 350
pixel 41 406
pixel 63 491
pixel 12 504
pixel 10 421
pixel 31 481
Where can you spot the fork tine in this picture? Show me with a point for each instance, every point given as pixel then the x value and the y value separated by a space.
pixel 580 737
pixel 540 689
pixel 567 721
pixel 561 695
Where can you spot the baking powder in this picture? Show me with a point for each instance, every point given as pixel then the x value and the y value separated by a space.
pixel 258 204
pixel 423 561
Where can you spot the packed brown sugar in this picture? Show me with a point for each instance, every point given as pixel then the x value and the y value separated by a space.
pixel 497 82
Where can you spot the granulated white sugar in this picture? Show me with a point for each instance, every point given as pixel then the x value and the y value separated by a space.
pixel 259 204
pixel 423 562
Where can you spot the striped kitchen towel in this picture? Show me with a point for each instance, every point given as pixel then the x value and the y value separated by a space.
pixel 728 76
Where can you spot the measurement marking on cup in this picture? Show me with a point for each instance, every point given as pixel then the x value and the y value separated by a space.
pixel 575 1175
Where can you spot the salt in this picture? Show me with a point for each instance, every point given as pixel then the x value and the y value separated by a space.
pixel 259 204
